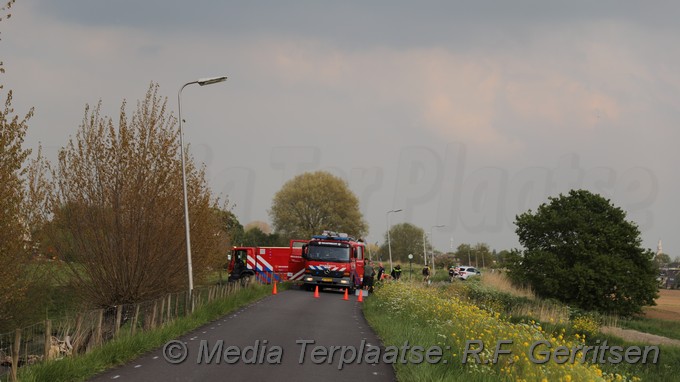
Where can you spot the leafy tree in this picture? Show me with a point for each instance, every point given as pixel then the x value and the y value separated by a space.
pixel 313 202
pixel 502 258
pixel 230 226
pixel 118 207
pixel 15 239
pixel 256 237
pixel 580 249
pixel 464 254
pixel 405 239
pixel 263 226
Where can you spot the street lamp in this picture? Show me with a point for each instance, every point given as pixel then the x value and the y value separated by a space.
pixel 424 248
pixel 201 82
pixel 389 245
pixel 410 265
pixel 431 230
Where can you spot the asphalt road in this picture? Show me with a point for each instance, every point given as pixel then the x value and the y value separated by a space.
pixel 288 336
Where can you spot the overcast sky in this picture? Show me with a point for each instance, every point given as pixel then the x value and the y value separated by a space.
pixel 462 114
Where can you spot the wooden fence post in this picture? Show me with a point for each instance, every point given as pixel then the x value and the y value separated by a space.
pixel 119 316
pixel 98 339
pixel 169 305
pixel 153 315
pixel 135 319
pixel 77 335
pixel 161 313
pixel 16 346
pixel 48 339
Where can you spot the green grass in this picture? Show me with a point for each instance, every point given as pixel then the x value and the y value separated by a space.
pixel 128 347
pixel 395 331
pixel 667 369
pixel 396 328
pixel 670 329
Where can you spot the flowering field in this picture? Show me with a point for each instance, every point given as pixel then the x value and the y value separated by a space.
pixel 434 316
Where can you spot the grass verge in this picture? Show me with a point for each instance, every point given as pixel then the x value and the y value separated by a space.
pixel 126 348
pixel 666 369
pixel 446 320
pixel 670 329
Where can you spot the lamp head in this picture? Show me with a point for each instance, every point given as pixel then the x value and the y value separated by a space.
pixel 210 81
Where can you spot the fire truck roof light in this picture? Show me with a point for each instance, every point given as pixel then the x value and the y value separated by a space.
pixel 338 238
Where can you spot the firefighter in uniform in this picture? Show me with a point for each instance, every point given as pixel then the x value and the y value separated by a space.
pixel 396 272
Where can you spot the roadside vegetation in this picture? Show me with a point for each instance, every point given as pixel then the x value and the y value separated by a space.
pixel 670 329
pixel 450 314
pixel 128 347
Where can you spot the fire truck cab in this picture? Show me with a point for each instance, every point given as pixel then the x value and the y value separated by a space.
pixel 333 260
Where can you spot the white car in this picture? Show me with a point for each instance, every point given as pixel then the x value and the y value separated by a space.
pixel 466 271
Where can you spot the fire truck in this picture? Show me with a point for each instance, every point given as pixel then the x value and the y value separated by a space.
pixel 267 264
pixel 333 260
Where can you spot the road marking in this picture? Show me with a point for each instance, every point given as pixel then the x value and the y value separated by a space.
pixel 156 357
pixel 115 377
pixel 137 366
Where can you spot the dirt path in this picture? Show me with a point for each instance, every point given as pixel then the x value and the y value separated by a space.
pixel 635 336
pixel 667 308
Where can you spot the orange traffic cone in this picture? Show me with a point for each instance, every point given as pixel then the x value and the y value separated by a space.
pixel 361 295
pixel 274 289
pixel 316 292
pixel 346 295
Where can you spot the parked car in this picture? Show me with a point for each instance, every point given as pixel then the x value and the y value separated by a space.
pixel 466 271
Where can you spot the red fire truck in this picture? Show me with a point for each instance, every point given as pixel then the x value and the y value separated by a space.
pixel 333 260
pixel 267 263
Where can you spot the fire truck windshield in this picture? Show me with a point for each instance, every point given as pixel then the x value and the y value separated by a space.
pixel 335 252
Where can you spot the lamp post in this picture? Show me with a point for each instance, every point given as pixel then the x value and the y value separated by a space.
pixel 201 82
pixel 424 248
pixel 389 245
pixel 410 266
pixel 431 230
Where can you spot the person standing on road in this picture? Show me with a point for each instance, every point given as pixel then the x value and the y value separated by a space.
pixel 369 272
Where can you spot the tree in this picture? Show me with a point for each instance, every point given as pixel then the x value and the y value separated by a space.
pixel 502 258
pixel 262 226
pixel 313 202
pixel 580 249
pixel 230 226
pixel 255 237
pixel 405 239
pixel 15 239
pixel 119 200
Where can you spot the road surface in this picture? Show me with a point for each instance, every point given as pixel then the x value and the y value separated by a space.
pixel 291 336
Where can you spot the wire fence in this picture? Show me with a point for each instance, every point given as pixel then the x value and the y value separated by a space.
pixel 84 331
